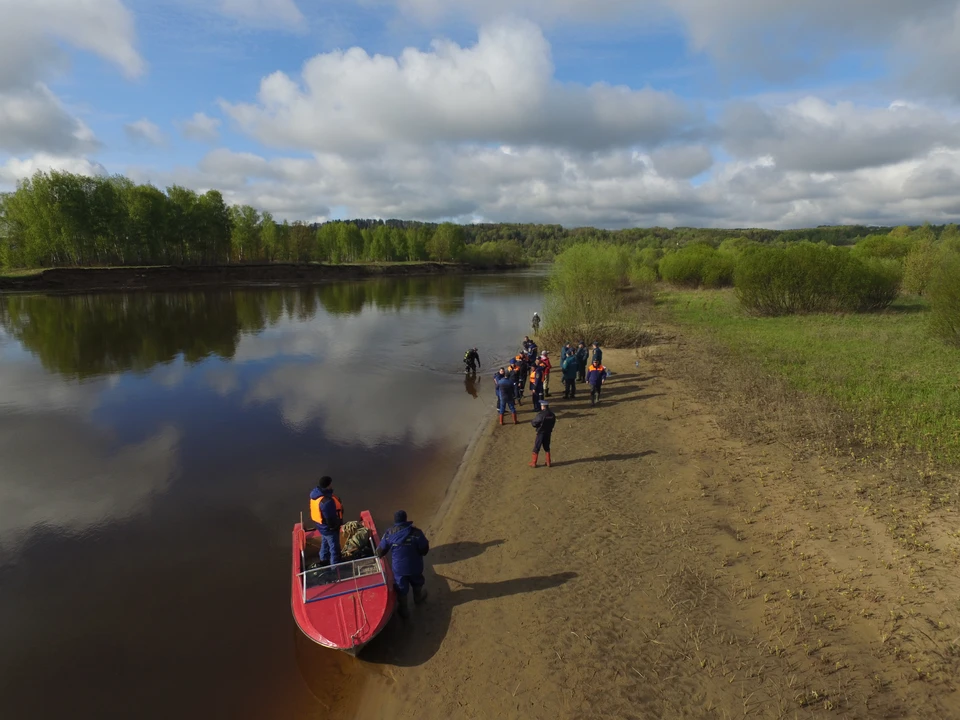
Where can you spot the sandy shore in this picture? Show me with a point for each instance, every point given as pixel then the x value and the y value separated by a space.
pixel 665 568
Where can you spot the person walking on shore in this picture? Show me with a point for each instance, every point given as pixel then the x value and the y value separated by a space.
pixel 408 546
pixel 582 355
pixel 326 511
pixel 536 322
pixel 544 423
pixel 507 388
pixel 595 376
pixel 569 369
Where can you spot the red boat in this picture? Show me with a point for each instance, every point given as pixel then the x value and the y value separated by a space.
pixel 341 606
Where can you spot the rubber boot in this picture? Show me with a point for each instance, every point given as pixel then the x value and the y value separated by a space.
pixel 419 595
pixel 501 419
pixel 515 421
pixel 548 459
pixel 402 608
pixel 533 459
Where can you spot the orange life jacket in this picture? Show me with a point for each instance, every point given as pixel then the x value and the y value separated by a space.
pixel 315 513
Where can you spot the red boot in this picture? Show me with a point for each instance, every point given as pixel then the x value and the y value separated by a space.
pixel 533 460
pixel 548 459
pixel 501 419
pixel 515 421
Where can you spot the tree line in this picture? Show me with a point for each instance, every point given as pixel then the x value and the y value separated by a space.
pixel 66 219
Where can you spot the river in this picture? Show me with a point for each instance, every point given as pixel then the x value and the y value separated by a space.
pixel 156 449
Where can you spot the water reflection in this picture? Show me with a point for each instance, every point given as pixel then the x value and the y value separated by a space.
pixel 156 449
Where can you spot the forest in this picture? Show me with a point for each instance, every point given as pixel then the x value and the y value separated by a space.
pixel 61 219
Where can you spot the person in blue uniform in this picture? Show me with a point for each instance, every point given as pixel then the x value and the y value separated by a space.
pixel 407 545
pixel 497 377
pixel 506 390
pixel 582 361
pixel 326 511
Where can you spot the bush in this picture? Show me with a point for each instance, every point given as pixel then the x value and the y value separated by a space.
pixel 584 296
pixel 890 246
pixel 919 266
pixel 806 278
pixel 697 265
pixel 944 295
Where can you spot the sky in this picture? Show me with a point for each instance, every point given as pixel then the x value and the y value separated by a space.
pixel 611 113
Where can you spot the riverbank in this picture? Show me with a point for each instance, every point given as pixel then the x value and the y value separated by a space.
pixel 666 566
pixel 169 277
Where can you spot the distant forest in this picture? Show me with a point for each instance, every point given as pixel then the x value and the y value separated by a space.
pixel 65 219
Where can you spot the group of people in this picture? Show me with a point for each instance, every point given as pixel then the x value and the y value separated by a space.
pixel 405 542
pixel 575 369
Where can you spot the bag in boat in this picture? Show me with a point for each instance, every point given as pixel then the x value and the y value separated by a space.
pixel 354 539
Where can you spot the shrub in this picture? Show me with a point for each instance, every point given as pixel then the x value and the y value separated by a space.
pixel 890 246
pixel 805 278
pixel 697 265
pixel 919 267
pixel 944 295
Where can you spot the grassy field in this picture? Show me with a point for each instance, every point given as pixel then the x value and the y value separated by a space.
pixel 900 385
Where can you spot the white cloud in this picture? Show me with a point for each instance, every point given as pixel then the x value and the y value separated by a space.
pixel 273 13
pixel 32 119
pixel 14 169
pixel 144 131
pixel 201 128
pixel 682 161
pixel 815 136
pixel 30 31
pixel 501 89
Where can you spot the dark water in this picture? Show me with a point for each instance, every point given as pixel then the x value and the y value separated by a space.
pixel 155 450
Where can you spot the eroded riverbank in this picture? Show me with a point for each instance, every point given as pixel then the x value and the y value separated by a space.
pixel 169 277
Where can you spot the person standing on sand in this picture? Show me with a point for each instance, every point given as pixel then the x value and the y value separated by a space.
pixel 497 377
pixel 326 511
pixel 408 545
pixel 536 384
pixel 582 355
pixel 547 367
pixel 569 369
pixel 506 389
pixel 595 376
pixel 544 423
pixel 597 353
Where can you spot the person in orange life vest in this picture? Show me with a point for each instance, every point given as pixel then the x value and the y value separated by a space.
pixel 547 367
pixel 544 422
pixel 407 545
pixel 536 384
pixel 523 369
pixel 326 511
pixel 595 377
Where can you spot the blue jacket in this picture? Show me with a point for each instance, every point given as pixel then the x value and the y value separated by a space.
pixel 566 352
pixel 570 368
pixel 408 545
pixel 497 377
pixel 328 509
pixel 596 376
pixel 597 355
pixel 582 355
pixel 506 388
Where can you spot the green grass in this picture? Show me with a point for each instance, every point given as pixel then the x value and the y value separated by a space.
pixel 900 384
pixel 19 272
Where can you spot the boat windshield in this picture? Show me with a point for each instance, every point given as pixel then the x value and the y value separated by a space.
pixel 333 574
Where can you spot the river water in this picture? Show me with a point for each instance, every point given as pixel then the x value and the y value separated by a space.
pixel 156 449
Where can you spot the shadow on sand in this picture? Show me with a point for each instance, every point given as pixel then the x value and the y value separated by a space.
pixel 606 458
pixel 414 641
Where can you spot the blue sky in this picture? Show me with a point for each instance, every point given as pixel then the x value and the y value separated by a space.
pixel 610 113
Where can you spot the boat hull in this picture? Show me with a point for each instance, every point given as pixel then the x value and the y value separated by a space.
pixel 347 612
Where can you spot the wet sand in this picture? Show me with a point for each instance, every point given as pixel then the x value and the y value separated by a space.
pixel 666 568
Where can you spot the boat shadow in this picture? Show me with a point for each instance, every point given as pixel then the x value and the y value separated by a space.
pixel 413 642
